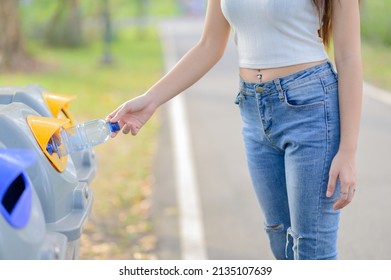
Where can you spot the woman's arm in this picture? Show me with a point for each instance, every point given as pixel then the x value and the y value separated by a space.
pixel 199 60
pixel 133 114
pixel 347 54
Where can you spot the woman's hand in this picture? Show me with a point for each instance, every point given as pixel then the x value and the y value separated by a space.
pixel 133 114
pixel 343 168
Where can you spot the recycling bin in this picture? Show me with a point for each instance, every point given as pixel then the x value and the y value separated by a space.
pixel 51 105
pixel 23 233
pixel 66 201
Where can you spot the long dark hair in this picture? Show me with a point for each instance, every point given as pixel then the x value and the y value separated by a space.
pixel 325 10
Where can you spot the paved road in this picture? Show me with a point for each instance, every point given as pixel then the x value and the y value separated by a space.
pixel 230 216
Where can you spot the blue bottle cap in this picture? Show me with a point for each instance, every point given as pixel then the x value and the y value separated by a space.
pixel 49 148
pixel 114 127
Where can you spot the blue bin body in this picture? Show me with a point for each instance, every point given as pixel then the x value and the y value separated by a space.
pixel 23 233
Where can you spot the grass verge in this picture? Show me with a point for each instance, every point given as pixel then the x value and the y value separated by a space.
pixel 377 64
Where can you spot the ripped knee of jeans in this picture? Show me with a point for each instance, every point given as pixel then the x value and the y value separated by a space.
pixel 296 243
pixel 277 235
pixel 275 227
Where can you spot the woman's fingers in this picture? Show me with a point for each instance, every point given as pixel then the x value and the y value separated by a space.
pixel 346 196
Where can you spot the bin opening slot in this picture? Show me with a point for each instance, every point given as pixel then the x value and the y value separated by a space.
pixel 46 130
pixel 13 193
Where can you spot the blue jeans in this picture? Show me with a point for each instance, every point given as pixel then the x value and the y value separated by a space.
pixel 291 131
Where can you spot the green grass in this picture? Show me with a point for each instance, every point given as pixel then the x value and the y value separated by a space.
pixel 376 27
pixel 119 226
pixel 79 72
pixel 377 64
pixel 376 22
pixel 35 15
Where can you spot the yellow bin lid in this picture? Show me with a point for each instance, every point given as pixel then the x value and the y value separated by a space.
pixel 43 129
pixel 58 104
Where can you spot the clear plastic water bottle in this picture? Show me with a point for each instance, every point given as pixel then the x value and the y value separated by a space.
pixel 80 137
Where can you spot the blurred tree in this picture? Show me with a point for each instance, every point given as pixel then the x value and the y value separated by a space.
pixel 12 52
pixel 107 57
pixel 142 17
pixel 64 27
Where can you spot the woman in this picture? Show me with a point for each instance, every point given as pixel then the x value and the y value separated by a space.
pixel 300 119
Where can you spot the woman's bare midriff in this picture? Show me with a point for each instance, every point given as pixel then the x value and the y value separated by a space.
pixel 252 75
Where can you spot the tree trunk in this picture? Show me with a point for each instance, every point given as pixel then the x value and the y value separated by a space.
pixel 12 53
pixel 65 27
pixel 142 17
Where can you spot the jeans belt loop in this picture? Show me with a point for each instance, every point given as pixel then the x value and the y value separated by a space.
pixel 277 83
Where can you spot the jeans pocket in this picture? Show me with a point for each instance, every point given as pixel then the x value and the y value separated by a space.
pixel 308 95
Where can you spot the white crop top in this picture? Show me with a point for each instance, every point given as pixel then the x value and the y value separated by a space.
pixel 274 33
